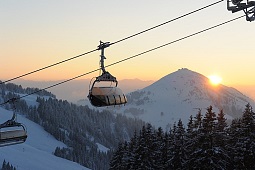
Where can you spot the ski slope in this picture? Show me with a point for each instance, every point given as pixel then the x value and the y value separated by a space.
pixel 37 152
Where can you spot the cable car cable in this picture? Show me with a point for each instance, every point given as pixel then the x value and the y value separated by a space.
pixel 48 66
pixel 52 86
pixel 180 39
pixel 153 49
pixel 182 16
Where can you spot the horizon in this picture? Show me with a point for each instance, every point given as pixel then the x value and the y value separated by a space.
pixel 135 84
pixel 37 35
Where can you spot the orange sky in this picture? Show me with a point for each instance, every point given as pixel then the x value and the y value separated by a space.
pixel 36 34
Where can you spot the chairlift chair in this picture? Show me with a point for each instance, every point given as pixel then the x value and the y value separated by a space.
pixel 101 96
pixel 11 131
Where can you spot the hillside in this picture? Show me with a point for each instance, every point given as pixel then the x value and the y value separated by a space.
pixel 36 152
pixel 87 136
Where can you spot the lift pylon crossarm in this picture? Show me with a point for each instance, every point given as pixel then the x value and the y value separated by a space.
pixel 103 45
pixel 248 7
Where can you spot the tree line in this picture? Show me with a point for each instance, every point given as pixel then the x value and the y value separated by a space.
pixel 13 88
pixel 207 142
pixel 7 166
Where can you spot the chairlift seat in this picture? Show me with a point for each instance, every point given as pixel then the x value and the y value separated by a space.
pixel 12 137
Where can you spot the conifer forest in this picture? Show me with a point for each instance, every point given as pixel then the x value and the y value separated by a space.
pixel 208 141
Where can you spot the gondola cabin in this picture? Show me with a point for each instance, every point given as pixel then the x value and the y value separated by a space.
pixel 106 96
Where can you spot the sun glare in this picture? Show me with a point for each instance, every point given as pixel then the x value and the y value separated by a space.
pixel 215 80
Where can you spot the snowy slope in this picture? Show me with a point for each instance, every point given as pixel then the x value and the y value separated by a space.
pixel 179 95
pixel 37 151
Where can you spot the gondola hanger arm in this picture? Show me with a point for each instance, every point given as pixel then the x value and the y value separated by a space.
pixel 106 76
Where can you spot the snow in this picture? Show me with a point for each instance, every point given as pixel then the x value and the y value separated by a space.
pixel 37 151
pixel 102 148
pixel 31 99
pixel 179 95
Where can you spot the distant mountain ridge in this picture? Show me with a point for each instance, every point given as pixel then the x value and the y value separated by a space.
pixel 78 89
pixel 179 95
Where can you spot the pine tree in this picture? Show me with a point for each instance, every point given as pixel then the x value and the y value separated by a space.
pixel 132 147
pixel 191 139
pixel 221 143
pixel 117 160
pixel 248 137
pixel 242 137
pixel 125 160
pixel 178 149
pixel 235 147
pixel 221 136
pixel 248 121
pixel 4 165
pixel 166 151
pixel 198 119
pixel 159 146
pixel 141 150
pixel 207 154
pixel 148 149
pixel 7 166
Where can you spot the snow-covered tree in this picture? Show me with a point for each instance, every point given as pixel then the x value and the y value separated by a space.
pixel 242 133
pixel 117 161
pixel 178 147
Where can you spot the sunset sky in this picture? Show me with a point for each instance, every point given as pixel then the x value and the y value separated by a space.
pixel 34 34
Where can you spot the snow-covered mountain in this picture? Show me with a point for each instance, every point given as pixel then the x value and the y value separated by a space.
pixel 179 95
pixel 37 151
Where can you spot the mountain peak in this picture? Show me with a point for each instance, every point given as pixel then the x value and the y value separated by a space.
pixel 185 73
pixel 182 79
pixel 176 95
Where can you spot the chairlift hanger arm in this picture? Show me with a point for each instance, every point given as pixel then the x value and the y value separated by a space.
pixel 248 7
pixel 12 121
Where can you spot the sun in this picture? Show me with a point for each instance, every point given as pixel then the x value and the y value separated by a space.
pixel 215 80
